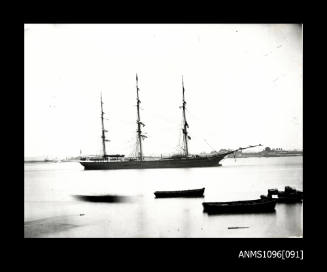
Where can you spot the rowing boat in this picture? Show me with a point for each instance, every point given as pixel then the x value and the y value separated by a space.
pixel 244 206
pixel 182 193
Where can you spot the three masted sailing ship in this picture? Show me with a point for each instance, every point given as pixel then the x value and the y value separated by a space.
pixel 110 162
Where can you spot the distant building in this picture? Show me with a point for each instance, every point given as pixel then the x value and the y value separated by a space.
pixel 223 150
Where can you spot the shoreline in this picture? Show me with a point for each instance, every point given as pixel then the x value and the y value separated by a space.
pixel 237 156
pixel 268 156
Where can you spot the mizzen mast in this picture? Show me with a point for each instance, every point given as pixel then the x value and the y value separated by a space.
pixel 186 137
pixel 140 137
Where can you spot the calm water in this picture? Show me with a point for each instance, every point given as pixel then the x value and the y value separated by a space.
pixel 52 211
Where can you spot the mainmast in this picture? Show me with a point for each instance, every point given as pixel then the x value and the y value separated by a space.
pixel 139 123
pixel 185 126
pixel 103 136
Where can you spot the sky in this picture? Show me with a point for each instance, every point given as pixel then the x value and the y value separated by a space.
pixel 243 86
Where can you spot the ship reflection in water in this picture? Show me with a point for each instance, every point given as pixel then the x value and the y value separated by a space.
pixel 53 210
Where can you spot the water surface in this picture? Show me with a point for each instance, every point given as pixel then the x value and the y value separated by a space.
pixel 50 209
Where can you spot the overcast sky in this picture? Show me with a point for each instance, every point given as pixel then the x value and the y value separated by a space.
pixel 243 86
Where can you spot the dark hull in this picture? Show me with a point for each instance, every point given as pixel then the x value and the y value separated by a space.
pixel 247 206
pixel 183 193
pixel 163 163
pixel 290 195
pixel 287 200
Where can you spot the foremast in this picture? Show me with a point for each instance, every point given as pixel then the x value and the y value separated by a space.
pixel 186 137
pixel 103 136
pixel 140 137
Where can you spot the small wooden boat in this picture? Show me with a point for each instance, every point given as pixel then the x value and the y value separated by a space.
pixel 245 206
pixel 289 195
pixel 182 193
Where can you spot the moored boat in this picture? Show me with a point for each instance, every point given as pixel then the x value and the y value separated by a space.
pixel 181 193
pixel 289 195
pixel 244 206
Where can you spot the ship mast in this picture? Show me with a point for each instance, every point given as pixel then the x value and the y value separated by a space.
pixel 139 123
pixel 185 126
pixel 103 136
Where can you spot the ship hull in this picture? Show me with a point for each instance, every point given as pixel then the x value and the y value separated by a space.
pixel 163 163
